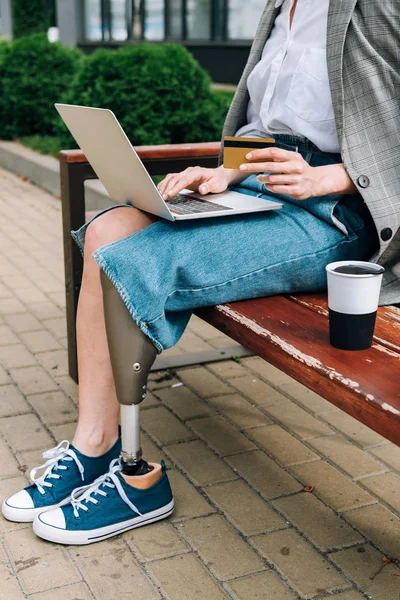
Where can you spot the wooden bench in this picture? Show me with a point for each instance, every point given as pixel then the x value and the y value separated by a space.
pixel 290 332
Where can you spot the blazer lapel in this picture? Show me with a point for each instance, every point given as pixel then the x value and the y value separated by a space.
pixel 339 16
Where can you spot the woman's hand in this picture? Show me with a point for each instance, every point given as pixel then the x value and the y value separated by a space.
pixel 198 179
pixel 290 174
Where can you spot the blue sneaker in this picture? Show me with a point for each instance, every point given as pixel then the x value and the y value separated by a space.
pixel 65 469
pixel 105 508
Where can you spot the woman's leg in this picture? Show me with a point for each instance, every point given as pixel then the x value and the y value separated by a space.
pixel 97 427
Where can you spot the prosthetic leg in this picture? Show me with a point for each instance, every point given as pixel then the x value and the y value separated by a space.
pixel 132 355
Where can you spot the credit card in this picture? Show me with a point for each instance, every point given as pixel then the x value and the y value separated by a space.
pixel 236 148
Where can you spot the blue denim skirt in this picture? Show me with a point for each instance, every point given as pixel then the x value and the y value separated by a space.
pixel 166 270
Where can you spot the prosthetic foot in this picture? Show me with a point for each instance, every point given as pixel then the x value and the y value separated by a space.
pixel 132 355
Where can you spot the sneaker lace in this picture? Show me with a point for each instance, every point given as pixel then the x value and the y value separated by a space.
pixel 86 492
pixel 61 452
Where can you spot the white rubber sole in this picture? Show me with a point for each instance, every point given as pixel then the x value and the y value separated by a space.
pixel 27 515
pixel 91 536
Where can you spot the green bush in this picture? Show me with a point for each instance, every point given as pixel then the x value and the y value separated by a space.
pixel 29 16
pixel 159 94
pixel 4 47
pixel 35 74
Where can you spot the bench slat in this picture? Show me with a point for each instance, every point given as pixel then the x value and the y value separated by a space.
pixel 387 329
pixel 295 339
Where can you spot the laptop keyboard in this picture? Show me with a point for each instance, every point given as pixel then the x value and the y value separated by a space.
pixel 186 205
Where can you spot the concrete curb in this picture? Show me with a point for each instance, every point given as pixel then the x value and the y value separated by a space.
pixel 44 171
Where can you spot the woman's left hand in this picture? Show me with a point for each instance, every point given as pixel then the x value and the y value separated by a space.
pixel 289 173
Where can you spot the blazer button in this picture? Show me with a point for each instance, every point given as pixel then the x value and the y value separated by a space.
pixel 363 181
pixel 386 234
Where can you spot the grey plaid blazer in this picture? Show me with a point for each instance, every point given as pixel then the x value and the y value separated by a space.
pixel 364 74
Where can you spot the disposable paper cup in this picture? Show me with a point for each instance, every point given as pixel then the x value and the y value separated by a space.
pixel 353 297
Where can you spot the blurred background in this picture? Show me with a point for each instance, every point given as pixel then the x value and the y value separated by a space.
pixel 217 32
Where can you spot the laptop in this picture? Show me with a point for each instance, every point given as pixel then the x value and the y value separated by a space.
pixel 119 168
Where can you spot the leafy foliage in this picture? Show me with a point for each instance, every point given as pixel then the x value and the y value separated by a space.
pixel 34 75
pixel 159 93
pixel 29 16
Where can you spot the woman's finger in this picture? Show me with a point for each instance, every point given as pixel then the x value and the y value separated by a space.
pixel 285 179
pixel 274 153
pixel 190 180
pixel 164 183
pixel 288 190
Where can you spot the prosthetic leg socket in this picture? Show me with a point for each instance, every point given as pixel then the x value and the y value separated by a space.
pixel 132 356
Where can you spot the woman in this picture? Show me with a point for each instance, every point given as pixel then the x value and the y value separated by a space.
pixel 322 79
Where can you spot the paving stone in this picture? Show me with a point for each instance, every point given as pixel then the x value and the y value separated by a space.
pixel 220 435
pixel 307 398
pixel 7 488
pixel 9 466
pixel 356 431
pixel 227 369
pixel 264 586
pixel 111 571
pixel 184 577
pixel 76 591
pixel 348 457
pixel 389 454
pixel 150 401
pixel 7 336
pixel 360 567
pixel 10 589
pixel 298 421
pixel 204 383
pixel 318 522
pixel 244 507
pixel 11 306
pixel 188 502
pixel 46 310
pixel 379 525
pixel 4 377
pixel 202 328
pixel 222 341
pixel 40 341
pixel 184 402
pixel 53 408
pixel 68 385
pixel 33 380
pixel 58 298
pixel 351 595
pixel 331 486
pixel 5 292
pixel 24 322
pixel 161 379
pixel 30 294
pixel 386 487
pixel 200 463
pixel 224 552
pixel 151 452
pixel 264 474
pixel 155 541
pixel 40 566
pixel 239 411
pixel 28 459
pixel 164 426
pixel 258 391
pixel 283 446
pixel 16 356
pixel 55 362
pixel 12 401
pixel 190 342
pixel 307 571
pixel 63 432
pixel 266 371
pixel 24 432
pixel 58 326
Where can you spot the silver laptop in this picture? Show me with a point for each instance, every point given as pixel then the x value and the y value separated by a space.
pixel 125 178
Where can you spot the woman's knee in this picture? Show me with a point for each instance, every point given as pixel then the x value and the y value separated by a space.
pixel 114 225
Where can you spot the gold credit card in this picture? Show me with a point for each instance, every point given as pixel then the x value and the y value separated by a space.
pixel 236 148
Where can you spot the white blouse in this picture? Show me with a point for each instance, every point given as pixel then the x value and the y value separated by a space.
pixel 289 87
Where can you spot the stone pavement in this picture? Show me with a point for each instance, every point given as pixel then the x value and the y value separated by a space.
pixel 279 495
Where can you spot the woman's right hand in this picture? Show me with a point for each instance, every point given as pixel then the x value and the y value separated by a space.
pixel 198 179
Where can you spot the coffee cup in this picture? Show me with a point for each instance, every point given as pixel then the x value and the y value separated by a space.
pixel 353 296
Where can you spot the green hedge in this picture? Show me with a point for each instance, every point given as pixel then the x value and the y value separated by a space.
pixel 35 74
pixel 29 16
pixel 159 93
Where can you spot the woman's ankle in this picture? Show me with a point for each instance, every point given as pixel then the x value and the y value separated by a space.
pixel 94 442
